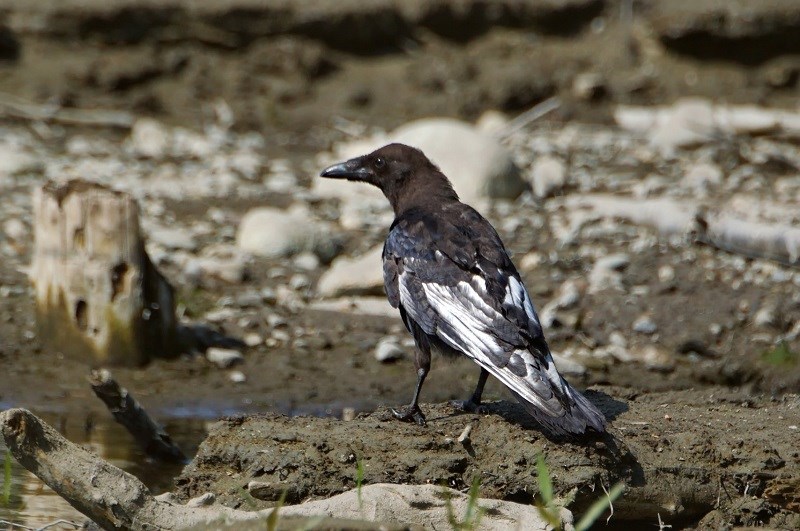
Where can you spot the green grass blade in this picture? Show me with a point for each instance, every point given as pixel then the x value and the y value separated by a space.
pixel 548 515
pixel 272 519
pixel 599 507
pixel 474 513
pixel 543 476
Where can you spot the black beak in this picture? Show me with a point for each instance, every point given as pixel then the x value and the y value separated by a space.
pixel 352 170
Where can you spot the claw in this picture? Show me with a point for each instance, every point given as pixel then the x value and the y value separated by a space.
pixel 410 414
pixel 469 406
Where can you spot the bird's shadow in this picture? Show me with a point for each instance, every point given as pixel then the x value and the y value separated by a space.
pixel 515 413
pixel 615 453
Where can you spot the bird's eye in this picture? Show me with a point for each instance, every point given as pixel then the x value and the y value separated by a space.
pixel 379 163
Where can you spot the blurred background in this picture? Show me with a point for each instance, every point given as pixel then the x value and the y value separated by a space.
pixel 639 158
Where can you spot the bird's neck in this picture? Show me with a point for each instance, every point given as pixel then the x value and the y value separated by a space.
pixel 428 195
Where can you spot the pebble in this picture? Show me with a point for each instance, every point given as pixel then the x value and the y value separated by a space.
pixel 666 273
pixel 15 229
pixel 253 340
pixel 306 261
pixel 149 138
pixel 388 350
pixel 276 233
pixel 644 324
pixel 606 272
pixel 237 377
pixel 224 357
pixel 14 161
pixel 765 316
pixel 548 176
pixel 362 275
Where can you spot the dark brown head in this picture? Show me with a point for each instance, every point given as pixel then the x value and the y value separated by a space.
pixel 404 174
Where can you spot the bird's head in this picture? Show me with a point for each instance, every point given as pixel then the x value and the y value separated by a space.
pixel 404 175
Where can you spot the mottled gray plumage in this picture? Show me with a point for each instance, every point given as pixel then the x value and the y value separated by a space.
pixel 447 271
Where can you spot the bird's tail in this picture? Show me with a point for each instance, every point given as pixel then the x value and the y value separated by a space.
pixel 579 414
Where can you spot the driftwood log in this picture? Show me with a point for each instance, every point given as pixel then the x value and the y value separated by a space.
pixel 114 499
pixel 150 436
pixel 98 295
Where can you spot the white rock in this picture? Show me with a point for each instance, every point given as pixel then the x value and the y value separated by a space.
pixel 548 176
pixel 666 273
pixel 224 357
pixel 702 177
pixel 644 324
pixel 275 233
pixel 150 138
pixel 362 275
pixel 253 340
pixel 172 237
pixel 14 160
pixel 15 229
pixel 606 272
pixel 765 316
pixel 237 377
pixel 388 349
pixel 306 261
pixel 476 163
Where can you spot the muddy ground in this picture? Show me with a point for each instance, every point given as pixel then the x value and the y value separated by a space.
pixel 304 78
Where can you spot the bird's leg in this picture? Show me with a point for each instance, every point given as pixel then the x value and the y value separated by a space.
pixel 473 404
pixel 412 413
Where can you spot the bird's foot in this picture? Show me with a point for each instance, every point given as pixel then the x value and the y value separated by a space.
pixel 411 413
pixel 469 406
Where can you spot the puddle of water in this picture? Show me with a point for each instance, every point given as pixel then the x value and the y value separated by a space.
pixel 34 504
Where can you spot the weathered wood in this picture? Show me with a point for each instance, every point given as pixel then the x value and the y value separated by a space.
pixel 150 436
pixel 115 499
pixel 98 295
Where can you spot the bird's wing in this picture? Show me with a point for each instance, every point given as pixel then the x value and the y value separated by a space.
pixel 468 293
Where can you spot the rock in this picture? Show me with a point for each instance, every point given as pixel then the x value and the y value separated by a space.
pixel 14 160
pixel 644 324
pixel 150 139
pixel 237 377
pixel 666 274
pixel 172 237
pixel 476 163
pixel 253 340
pixel 372 306
pixel 702 177
pixel 606 272
pixel 421 505
pixel 362 275
pixel 388 350
pixel 224 357
pixel 588 86
pixel 15 229
pixel 548 176
pixel 306 261
pixel 275 233
pixel 766 316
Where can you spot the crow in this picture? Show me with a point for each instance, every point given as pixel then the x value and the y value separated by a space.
pixel 447 271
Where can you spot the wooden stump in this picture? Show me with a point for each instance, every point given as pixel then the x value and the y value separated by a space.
pixel 98 295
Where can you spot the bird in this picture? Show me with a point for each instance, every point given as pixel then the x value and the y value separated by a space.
pixel 448 272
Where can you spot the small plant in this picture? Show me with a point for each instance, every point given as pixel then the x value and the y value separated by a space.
pixel 781 355
pixel 272 519
pixel 548 506
pixel 7 478
pixel 473 514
